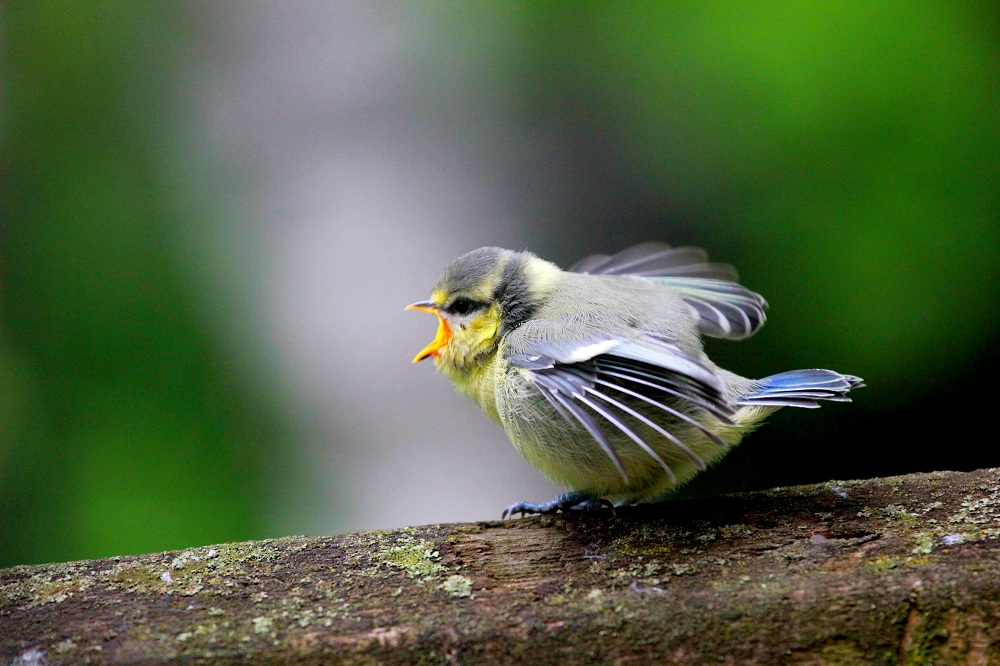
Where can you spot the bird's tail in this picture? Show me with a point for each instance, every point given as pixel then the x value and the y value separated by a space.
pixel 800 388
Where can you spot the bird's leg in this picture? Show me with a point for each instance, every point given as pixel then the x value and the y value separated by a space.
pixel 571 500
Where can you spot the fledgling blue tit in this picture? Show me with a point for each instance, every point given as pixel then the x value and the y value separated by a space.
pixel 598 374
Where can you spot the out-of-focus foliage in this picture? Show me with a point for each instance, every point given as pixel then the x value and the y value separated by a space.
pixel 844 156
pixel 123 428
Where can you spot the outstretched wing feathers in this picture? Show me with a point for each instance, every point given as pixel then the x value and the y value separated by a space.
pixel 562 389
pixel 628 431
pixel 675 386
pixel 606 389
pixel 655 259
pixel 698 462
pixel 721 307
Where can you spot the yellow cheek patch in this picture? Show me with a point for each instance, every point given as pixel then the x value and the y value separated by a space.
pixel 483 328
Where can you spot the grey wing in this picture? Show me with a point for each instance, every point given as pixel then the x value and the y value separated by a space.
pixel 721 307
pixel 656 260
pixel 596 382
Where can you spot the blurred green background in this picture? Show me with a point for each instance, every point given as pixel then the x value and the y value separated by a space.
pixel 844 156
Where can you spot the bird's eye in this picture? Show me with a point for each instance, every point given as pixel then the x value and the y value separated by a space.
pixel 463 306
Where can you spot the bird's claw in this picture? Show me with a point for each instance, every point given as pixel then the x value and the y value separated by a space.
pixel 567 501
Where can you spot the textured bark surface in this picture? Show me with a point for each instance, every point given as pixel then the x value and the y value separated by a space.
pixel 898 570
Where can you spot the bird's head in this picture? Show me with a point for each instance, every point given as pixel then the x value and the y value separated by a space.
pixel 482 296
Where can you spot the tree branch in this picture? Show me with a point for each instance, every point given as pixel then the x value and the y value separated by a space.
pixel 891 570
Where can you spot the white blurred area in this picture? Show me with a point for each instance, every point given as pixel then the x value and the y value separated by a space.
pixel 356 162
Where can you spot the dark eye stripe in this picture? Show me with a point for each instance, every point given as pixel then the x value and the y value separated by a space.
pixel 463 306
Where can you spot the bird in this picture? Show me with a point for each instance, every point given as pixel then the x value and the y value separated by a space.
pixel 598 373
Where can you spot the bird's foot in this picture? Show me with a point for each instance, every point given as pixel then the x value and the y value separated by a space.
pixel 572 500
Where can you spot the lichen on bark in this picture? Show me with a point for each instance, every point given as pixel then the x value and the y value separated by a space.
pixel 884 571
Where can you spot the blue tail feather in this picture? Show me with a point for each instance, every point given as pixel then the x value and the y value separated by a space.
pixel 801 388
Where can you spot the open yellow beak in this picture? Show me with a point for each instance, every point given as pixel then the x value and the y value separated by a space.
pixel 443 336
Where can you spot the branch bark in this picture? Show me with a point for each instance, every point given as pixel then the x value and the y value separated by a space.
pixel 884 571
